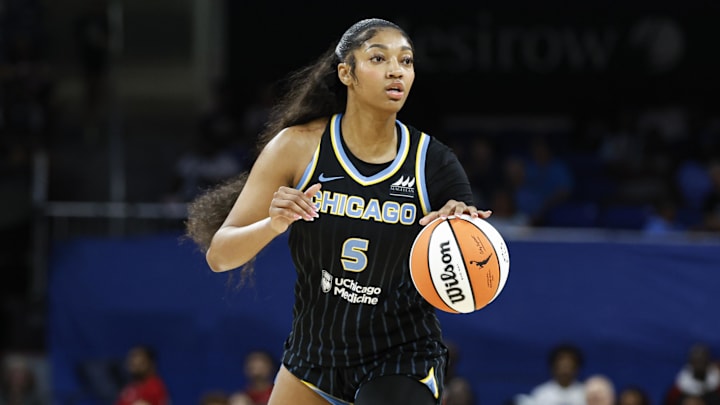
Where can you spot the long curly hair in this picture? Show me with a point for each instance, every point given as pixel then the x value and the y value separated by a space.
pixel 312 92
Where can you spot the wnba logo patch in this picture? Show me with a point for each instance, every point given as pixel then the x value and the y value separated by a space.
pixel 403 187
pixel 326 282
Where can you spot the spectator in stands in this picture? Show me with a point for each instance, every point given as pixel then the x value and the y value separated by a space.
pixel 663 218
pixel 146 387
pixel 542 182
pixel 505 212
pixel 693 182
pixel 260 368
pixel 18 385
pixel 214 398
pixel 564 387
pixel 483 168
pixel 698 378
pixel 599 390
pixel 633 395
pixel 693 400
pixel 458 392
pixel 240 398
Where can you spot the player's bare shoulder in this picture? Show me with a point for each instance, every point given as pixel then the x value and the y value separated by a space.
pixel 301 139
pixel 293 147
pixel 307 136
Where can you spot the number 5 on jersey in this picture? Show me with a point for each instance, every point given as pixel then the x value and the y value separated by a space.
pixel 354 257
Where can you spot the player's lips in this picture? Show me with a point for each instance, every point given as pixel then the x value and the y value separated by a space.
pixel 395 90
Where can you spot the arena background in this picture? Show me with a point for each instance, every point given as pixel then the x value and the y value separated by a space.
pixel 94 263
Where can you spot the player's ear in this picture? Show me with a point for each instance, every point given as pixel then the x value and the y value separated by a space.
pixel 344 73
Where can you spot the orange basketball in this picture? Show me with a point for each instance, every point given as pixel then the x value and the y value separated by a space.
pixel 459 264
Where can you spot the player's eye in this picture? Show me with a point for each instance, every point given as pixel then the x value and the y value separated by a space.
pixel 407 60
pixel 377 58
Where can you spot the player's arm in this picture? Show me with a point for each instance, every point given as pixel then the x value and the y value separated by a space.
pixel 268 203
pixel 448 185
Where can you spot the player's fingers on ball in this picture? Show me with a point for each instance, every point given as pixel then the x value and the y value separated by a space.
pixel 444 212
pixel 459 209
pixel 484 214
pixel 472 211
pixel 428 218
pixel 448 209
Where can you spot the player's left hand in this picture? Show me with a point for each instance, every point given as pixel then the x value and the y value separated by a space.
pixel 453 207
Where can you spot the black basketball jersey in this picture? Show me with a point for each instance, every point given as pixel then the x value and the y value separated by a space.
pixel 355 299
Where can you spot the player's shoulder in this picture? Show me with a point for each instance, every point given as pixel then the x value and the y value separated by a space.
pixel 299 137
pixel 306 132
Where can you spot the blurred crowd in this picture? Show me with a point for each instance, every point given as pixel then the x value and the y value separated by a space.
pixel 696 382
pixel 133 380
pixel 139 379
pixel 654 170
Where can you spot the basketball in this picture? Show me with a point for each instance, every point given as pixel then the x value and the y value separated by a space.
pixel 459 264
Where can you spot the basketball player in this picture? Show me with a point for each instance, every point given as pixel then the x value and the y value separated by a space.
pixel 354 186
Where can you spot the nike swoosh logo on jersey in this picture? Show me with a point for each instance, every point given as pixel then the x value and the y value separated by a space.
pixel 323 179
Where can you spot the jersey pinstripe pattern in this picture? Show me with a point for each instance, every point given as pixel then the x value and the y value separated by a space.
pixel 356 306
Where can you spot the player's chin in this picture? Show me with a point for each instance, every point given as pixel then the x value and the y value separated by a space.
pixel 393 106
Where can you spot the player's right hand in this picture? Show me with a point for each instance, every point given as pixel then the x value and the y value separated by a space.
pixel 289 205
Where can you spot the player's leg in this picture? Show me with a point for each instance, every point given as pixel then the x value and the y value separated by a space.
pixel 395 389
pixel 289 390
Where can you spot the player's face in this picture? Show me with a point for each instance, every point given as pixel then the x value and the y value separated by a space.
pixel 384 71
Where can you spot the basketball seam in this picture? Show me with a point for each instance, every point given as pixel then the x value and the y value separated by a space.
pixel 429 268
pixel 462 257
pixel 497 258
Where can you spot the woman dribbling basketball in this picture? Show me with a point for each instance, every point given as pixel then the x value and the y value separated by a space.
pixel 353 185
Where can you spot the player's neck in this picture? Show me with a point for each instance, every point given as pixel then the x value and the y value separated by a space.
pixel 370 138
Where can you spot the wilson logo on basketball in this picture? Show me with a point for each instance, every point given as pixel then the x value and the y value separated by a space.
pixel 454 293
pixel 403 187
